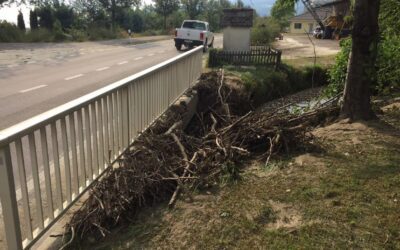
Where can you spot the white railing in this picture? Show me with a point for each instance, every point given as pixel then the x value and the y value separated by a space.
pixel 49 161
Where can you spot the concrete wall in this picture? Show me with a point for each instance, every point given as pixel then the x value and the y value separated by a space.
pixel 236 39
pixel 309 26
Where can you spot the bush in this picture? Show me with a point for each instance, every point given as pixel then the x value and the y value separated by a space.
pixel 154 33
pixel 39 35
pixel 320 75
pixel 264 32
pixel 337 74
pixel 59 35
pixel 388 73
pixel 78 35
pixel 10 33
pixel 266 84
pixel 101 33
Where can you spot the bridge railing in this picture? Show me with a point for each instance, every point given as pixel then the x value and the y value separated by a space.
pixel 49 161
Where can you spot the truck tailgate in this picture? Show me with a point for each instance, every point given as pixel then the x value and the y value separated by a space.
pixel 189 34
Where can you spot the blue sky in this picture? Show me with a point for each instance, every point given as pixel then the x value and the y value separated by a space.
pixel 262 7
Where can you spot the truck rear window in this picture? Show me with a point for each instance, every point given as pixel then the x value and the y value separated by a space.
pixel 194 25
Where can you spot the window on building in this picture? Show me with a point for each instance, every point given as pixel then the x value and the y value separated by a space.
pixel 297 26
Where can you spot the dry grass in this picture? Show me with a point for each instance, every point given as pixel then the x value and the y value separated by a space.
pixel 325 61
pixel 346 195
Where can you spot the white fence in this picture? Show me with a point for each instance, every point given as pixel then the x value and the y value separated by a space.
pixel 49 161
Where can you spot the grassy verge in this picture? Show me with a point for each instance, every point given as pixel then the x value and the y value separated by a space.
pixel 324 61
pixel 346 195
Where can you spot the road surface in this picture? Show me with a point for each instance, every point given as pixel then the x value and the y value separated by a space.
pixel 37 77
pixel 299 46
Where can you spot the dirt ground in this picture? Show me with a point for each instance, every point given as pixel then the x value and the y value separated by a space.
pixel 343 194
pixel 300 46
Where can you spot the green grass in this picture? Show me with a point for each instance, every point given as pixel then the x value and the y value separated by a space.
pixel 325 61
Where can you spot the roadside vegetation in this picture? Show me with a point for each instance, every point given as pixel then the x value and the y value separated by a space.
pixel 266 84
pixel 387 78
pixel 56 21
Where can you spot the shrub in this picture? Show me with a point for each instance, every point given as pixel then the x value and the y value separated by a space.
pixel 264 32
pixel 101 33
pixel 266 84
pixel 78 35
pixel 320 75
pixel 39 35
pixel 388 74
pixel 10 32
pixel 337 74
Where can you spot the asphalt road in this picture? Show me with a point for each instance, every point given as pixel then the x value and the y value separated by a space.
pixel 37 77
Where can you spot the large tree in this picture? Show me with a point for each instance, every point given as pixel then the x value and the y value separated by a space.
pixel 282 11
pixel 112 5
pixel 166 8
pixel 361 68
pixel 21 21
pixel 33 18
pixel 193 7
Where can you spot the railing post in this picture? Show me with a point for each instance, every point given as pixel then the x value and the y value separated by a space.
pixel 125 116
pixel 9 201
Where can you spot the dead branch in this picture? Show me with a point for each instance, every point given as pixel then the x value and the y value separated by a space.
pixel 157 168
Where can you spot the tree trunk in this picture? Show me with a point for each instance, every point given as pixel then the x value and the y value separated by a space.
pixel 165 22
pixel 113 10
pixel 361 68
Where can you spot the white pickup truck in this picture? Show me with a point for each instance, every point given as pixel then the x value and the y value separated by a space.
pixel 194 33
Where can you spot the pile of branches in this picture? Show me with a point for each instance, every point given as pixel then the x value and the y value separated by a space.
pixel 168 159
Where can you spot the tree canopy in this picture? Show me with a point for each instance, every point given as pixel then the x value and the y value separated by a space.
pixel 282 11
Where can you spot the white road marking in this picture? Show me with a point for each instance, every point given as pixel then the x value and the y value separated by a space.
pixel 138 58
pixel 34 88
pixel 124 62
pixel 31 62
pixel 13 65
pixel 150 55
pixel 73 77
pixel 101 69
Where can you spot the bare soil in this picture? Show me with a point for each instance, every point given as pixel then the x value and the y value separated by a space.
pixel 345 195
pixel 300 46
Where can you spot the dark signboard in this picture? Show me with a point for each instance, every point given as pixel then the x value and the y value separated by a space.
pixel 240 17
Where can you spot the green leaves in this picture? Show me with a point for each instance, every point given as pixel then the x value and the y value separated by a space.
pixel 282 11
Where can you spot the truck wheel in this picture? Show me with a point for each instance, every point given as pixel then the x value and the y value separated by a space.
pixel 211 44
pixel 178 46
pixel 205 46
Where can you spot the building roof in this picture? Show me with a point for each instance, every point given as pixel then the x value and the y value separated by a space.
pixel 237 17
pixel 323 12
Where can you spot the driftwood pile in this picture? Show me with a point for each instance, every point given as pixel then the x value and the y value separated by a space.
pixel 166 160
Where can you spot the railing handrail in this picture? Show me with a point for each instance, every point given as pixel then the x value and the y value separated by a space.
pixel 27 126
pixel 80 140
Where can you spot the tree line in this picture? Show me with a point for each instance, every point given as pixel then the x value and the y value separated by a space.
pixel 107 19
